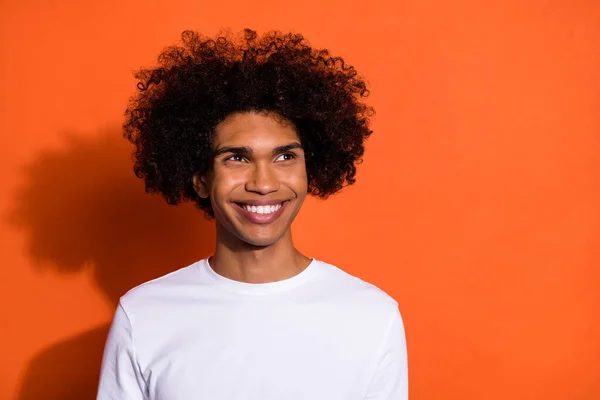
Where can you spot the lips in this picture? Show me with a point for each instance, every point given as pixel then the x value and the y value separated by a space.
pixel 262 209
pixel 261 212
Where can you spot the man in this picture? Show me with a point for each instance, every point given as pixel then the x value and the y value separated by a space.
pixel 246 128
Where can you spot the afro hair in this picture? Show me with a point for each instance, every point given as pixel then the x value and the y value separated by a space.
pixel 198 83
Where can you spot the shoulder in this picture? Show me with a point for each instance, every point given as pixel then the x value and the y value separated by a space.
pixel 361 307
pixel 358 292
pixel 155 291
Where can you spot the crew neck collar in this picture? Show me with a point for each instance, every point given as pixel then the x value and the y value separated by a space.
pixel 259 288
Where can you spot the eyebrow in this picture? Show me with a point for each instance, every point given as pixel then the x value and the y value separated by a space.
pixel 247 151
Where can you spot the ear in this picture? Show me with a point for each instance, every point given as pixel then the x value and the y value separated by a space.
pixel 200 185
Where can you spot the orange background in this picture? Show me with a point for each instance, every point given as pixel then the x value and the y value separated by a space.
pixel 477 206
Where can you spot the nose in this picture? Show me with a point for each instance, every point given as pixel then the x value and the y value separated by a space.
pixel 262 180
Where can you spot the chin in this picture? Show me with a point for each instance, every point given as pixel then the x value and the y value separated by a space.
pixel 260 240
pixel 255 235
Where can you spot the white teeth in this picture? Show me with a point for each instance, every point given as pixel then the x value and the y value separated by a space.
pixel 268 209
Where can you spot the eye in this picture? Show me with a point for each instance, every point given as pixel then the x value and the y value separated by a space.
pixel 236 157
pixel 286 157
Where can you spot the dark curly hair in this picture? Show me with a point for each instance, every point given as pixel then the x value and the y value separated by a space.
pixel 197 84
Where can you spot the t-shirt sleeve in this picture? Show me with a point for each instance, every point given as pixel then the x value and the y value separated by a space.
pixel 120 376
pixel 390 381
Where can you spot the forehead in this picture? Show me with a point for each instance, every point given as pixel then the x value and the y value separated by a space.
pixel 254 129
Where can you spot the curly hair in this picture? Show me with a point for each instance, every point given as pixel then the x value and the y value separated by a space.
pixel 197 84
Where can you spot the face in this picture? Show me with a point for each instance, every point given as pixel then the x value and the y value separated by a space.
pixel 258 180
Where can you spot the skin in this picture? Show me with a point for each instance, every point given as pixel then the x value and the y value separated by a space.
pixel 258 157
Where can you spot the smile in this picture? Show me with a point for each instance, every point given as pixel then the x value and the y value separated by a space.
pixel 262 213
pixel 264 209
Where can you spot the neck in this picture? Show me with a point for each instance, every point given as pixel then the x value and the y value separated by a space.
pixel 240 261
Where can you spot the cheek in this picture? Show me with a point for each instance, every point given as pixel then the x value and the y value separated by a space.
pixel 224 184
pixel 297 180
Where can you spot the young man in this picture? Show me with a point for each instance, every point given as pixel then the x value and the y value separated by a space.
pixel 246 128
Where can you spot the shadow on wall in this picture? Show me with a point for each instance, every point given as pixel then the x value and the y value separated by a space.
pixel 82 205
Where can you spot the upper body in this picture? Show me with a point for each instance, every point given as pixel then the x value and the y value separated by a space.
pixel 247 129
pixel 193 334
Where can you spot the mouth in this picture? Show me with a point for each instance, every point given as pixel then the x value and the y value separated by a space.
pixel 261 213
pixel 261 209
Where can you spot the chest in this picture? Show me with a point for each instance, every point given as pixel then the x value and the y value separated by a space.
pixel 254 353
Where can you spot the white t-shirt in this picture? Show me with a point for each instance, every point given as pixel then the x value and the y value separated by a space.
pixel 195 335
